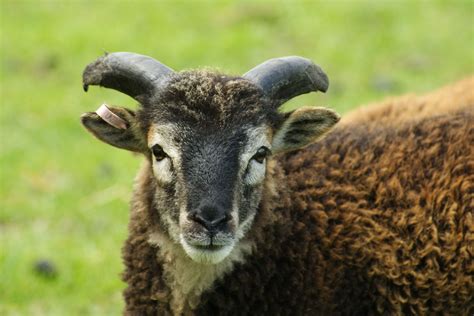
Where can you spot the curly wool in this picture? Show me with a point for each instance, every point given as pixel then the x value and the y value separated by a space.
pixel 397 110
pixel 373 219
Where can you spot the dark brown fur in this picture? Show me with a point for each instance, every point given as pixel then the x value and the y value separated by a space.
pixel 204 98
pixel 373 219
pixel 449 99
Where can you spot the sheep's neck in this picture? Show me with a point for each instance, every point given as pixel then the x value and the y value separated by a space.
pixel 186 279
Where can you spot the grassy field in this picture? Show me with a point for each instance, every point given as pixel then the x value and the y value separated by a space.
pixel 64 196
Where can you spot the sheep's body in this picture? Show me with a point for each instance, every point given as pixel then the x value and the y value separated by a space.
pixel 449 99
pixel 373 219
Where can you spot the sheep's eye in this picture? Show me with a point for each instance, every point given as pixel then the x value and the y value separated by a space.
pixel 261 154
pixel 158 152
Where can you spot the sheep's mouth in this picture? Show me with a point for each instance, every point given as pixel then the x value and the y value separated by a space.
pixel 208 243
pixel 209 247
pixel 207 251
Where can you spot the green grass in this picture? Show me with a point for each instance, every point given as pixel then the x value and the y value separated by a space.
pixel 64 196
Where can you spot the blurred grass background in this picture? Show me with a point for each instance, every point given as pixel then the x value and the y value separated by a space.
pixel 64 196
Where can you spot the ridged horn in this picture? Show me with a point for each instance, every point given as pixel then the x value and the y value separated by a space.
pixel 136 75
pixel 282 79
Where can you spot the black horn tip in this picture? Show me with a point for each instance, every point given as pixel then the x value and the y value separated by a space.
pixel 136 75
pixel 94 72
pixel 319 78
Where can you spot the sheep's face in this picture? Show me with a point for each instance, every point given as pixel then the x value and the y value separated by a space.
pixel 208 138
pixel 209 184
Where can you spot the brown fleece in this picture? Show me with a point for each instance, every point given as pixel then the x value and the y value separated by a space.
pixel 449 99
pixel 374 219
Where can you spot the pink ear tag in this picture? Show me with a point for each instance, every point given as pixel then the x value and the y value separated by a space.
pixel 110 117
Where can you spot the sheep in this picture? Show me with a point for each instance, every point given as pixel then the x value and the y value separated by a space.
pixel 241 210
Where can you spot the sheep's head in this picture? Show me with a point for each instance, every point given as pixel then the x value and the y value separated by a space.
pixel 208 138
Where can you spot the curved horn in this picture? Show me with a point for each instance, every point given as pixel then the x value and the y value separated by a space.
pixel 135 75
pixel 287 77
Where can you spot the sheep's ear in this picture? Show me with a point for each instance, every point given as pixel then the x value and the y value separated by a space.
pixel 302 127
pixel 115 126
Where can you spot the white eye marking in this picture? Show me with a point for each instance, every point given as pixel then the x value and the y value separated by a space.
pixel 253 159
pixel 165 152
pixel 163 170
pixel 255 172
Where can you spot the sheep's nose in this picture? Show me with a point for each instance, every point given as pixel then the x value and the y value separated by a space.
pixel 211 217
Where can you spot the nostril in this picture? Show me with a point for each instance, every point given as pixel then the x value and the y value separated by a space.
pixel 221 220
pixel 192 216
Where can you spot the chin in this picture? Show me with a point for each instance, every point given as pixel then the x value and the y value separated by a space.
pixel 207 254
